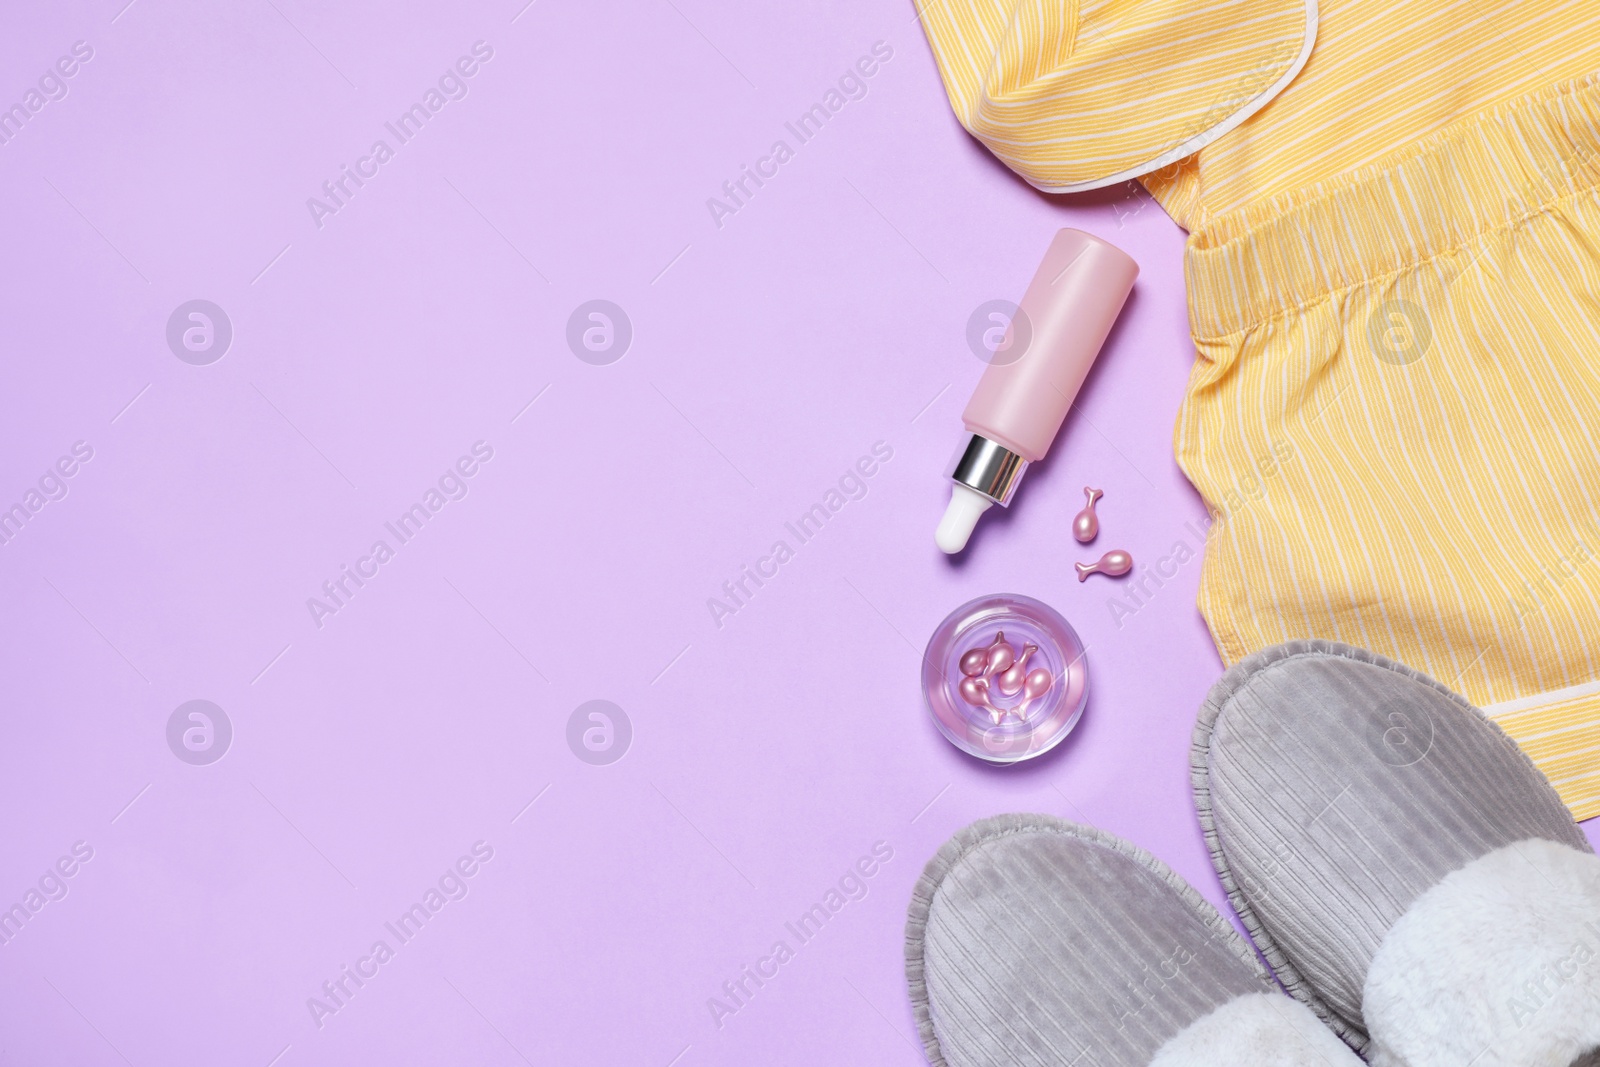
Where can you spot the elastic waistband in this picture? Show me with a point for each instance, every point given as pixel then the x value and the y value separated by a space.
pixel 1482 174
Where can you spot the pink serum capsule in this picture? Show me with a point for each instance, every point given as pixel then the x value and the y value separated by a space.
pixel 1113 564
pixel 1086 524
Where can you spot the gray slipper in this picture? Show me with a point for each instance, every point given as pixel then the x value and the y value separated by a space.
pixel 1403 867
pixel 1036 941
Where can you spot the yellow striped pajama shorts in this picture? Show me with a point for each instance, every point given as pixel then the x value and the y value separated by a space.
pixel 1394 292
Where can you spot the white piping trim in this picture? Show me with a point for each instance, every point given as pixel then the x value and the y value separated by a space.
pixel 1553 696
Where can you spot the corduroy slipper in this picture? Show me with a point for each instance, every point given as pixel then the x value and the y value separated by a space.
pixel 1036 941
pixel 1402 866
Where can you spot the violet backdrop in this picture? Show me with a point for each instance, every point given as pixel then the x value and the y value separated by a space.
pixel 384 329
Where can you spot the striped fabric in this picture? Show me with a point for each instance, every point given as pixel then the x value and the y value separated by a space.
pixel 1077 94
pixel 1383 75
pixel 1557 730
pixel 1394 290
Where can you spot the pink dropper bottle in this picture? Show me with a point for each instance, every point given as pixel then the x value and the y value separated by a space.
pixel 1019 404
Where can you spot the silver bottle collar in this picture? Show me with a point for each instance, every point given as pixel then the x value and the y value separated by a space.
pixel 990 469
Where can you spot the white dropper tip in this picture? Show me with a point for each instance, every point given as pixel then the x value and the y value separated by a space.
pixel 960 518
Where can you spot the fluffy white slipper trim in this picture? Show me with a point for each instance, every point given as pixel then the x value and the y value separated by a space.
pixel 1498 965
pixel 1256 1030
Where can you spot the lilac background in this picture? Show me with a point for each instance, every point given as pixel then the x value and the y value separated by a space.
pixel 768 355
